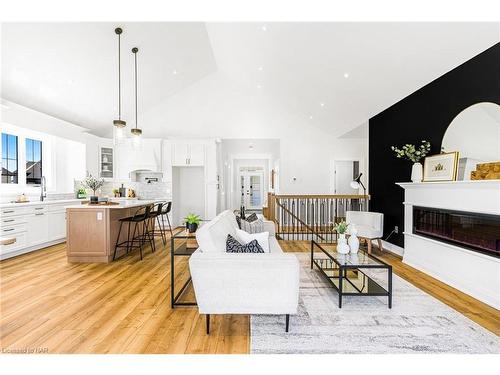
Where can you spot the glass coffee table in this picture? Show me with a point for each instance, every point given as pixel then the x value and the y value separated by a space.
pixel 347 273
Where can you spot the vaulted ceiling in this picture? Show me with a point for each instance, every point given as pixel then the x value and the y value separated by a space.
pixel 221 79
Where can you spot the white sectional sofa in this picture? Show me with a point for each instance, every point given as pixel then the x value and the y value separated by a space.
pixel 235 283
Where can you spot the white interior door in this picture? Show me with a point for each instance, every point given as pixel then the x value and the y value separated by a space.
pixel 345 172
pixel 252 189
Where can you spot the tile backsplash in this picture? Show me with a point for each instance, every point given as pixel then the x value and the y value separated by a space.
pixel 142 190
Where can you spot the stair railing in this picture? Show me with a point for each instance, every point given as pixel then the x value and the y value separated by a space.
pixel 311 217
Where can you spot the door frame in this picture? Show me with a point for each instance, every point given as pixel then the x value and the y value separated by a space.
pixel 232 188
pixel 362 169
pixel 248 174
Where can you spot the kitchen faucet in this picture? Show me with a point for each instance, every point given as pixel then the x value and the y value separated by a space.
pixel 43 189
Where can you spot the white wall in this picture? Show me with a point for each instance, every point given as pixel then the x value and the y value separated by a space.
pixel 309 156
pixel 188 192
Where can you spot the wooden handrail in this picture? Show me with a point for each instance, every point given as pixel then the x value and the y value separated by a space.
pixel 322 196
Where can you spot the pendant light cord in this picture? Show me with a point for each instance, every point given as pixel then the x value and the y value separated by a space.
pixel 135 58
pixel 119 80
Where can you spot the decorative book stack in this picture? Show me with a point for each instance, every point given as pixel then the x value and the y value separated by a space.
pixel 486 171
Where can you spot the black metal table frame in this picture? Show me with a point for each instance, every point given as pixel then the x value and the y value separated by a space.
pixel 343 275
pixel 174 298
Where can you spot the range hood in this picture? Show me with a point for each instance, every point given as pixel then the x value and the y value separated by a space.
pixel 146 176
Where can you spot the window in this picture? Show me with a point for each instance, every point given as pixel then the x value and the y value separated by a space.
pixel 33 161
pixel 9 159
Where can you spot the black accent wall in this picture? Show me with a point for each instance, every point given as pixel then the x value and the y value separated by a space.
pixel 423 115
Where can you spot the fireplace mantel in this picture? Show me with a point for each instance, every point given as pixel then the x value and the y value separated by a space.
pixel 474 273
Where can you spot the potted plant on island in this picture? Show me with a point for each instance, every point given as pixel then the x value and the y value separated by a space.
pixel 412 153
pixel 93 184
pixel 192 222
pixel 341 229
pixel 81 193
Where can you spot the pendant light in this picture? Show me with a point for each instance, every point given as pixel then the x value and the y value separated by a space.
pixel 119 125
pixel 136 132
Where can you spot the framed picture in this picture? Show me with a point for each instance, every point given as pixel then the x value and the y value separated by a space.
pixel 441 167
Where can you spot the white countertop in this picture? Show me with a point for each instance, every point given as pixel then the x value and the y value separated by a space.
pixel 39 203
pixel 120 205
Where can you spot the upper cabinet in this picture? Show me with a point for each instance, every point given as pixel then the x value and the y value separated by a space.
pixel 106 162
pixel 186 153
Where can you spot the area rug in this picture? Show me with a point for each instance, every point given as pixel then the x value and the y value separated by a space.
pixel 417 323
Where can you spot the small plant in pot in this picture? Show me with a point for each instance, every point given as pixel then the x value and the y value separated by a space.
pixel 341 229
pixel 93 184
pixel 414 154
pixel 192 222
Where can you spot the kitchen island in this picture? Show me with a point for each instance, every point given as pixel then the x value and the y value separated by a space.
pixel 92 230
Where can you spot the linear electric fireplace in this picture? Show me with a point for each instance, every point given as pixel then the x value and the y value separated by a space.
pixel 473 231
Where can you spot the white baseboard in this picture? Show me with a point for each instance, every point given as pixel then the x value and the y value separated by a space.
pixel 395 249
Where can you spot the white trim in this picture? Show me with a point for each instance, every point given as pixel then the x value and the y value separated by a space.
pixel 456 248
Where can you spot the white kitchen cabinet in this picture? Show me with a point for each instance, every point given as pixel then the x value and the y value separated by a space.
pixel 180 152
pixel 188 154
pixel 34 226
pixel 19 244
pixel 38 225
pixel 106 162
pixel 196 154
pixel 57 225
pixel 166 163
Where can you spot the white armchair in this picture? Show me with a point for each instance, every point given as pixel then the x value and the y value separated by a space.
pixel 370 226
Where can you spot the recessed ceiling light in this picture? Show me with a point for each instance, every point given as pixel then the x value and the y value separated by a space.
pixel 174 72
pixel 259 86
pixel 264 28
pixel 322 104
pixel 261 68
pixel 346 75
pixel 311 117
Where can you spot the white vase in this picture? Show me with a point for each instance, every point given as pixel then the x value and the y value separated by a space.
pixel 353 240
pixel 416 172
pixel 342 246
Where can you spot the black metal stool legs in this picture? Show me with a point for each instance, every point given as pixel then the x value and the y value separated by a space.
pixel 117 244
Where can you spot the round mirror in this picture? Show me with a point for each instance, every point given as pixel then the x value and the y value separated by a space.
pixel 475 134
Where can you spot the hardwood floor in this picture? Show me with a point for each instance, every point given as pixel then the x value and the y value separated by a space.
pixel 124 307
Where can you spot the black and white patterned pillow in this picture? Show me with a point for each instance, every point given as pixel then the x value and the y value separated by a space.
pixel 233 246
pixel 238 220
pixel 251 218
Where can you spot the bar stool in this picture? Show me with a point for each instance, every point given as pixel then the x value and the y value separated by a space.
pixel 164 213
pixel 154 217
pixel 140 217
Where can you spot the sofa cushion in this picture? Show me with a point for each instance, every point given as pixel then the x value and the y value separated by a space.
pixel 262 238
pixel 211 237
pixel 233 246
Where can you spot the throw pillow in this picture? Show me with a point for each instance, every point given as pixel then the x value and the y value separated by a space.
pixel 238 220
pixel 262 238
pixel 233 246
pixel 256 226
pixel 251 218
